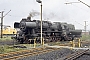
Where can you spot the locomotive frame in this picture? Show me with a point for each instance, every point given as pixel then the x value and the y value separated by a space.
pixel 51 32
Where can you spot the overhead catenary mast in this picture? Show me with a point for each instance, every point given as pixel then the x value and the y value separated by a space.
pixel 2 16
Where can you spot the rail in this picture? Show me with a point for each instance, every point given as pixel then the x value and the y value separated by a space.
pixel 25 53
pixel 75 55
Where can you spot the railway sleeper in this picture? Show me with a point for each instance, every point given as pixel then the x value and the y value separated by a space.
pixel 75 55
pixel 31 54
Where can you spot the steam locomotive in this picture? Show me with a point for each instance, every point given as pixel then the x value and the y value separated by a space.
pixel 51 31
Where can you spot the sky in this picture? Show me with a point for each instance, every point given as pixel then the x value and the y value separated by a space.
pixel 53 10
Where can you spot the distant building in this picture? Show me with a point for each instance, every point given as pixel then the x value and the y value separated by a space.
pixel 8 31
pixel 87 33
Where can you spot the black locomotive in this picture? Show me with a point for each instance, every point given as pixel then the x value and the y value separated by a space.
pixel 51 32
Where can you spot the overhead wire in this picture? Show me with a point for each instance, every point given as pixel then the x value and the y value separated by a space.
pixel 81 9
pixel 77 6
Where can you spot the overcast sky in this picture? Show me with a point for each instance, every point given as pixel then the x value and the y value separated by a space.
pixel 75 13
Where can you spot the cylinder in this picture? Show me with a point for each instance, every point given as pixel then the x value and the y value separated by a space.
pixel 31 24
pixel 28 24
pixel 25 25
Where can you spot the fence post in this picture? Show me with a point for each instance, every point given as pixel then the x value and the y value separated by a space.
pixel 79 43
pixel 73 44
pixel 43 42
pixel 35 43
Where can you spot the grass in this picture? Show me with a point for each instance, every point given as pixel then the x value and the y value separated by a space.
pixel 5 38
pixel 10 48
pixel 7 48
pixel 85 37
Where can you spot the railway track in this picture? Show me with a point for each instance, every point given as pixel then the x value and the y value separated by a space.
pixel 25 53
pixel 76 55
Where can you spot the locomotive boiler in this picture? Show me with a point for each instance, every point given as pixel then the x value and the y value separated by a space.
pixel 51 32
